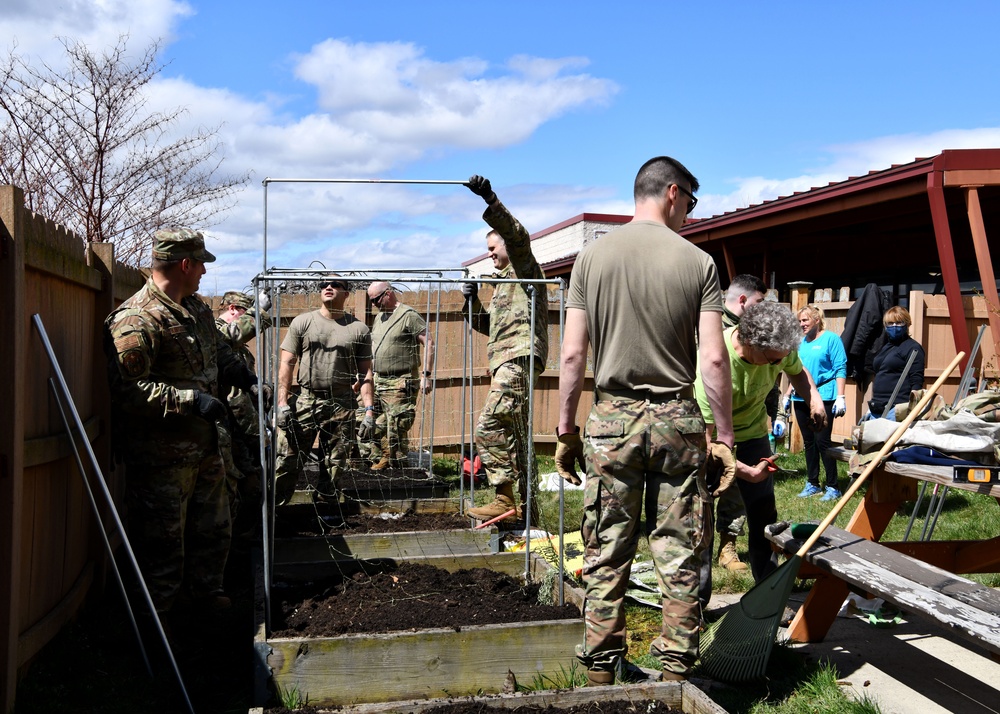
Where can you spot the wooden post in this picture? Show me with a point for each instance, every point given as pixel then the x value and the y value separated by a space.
pixel 13 331
pixel 799 298
pixel 986 276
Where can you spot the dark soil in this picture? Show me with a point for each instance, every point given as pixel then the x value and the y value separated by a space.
pixel 324 522
pixel 406 597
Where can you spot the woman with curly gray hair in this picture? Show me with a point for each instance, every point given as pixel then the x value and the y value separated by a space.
pixel 763 344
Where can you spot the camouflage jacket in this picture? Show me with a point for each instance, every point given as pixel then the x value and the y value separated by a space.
pixel 160 355
pixel 237 333
pixel 508 321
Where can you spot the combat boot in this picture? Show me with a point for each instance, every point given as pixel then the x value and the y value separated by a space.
pixel 728 558
pixel 385 462
pixel 503 502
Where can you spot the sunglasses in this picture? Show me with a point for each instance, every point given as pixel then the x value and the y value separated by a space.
pixel 692 199
pixel 333 284
pixel 377 300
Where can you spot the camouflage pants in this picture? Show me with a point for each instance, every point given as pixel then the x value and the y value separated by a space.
pixel 332 420
pixel 395 410
pixel 643 457
pixel 502 430
pixel 730 515
pixel 179 526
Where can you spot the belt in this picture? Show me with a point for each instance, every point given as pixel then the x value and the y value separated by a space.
pixel 327 393
pixel 408 373
pixel 642 395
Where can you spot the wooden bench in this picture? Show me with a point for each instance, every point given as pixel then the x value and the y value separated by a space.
pixel 964 607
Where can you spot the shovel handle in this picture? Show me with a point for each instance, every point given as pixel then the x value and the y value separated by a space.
pixel 886 448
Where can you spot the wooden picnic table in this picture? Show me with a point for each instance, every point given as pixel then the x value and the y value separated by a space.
pixel 889 486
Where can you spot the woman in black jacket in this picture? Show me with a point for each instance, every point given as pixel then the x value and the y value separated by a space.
pixel 891 360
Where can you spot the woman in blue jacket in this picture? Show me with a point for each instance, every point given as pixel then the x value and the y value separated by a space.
pixel 822 354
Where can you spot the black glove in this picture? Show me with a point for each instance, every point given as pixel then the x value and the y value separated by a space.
pixel 481 187
pixel 470 290
pixel 245 380
pixel 209 407
pixel 283 415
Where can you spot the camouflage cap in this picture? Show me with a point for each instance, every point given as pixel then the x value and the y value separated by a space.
pixel 234 297
pixel 178 243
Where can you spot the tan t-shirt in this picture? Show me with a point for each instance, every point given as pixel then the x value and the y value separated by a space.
pixel 328 350
pixel 644 288
pixel 396 341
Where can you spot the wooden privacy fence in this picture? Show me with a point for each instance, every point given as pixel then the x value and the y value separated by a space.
pixel 51 551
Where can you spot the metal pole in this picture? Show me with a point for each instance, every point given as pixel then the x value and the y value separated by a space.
pixel 264 265
pixel 899 384
pixel 562 491
pixel 437 331
pixel 37 320
pixel 430 182
pixel 461 418
pixel 100 523
pixel 530 438
pixel 472 429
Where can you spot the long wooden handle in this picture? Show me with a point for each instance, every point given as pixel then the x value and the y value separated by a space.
pixel 886 448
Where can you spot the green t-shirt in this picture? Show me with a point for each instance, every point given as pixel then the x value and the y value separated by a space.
pixel 751 383
pixel 396 341
pixel 328 350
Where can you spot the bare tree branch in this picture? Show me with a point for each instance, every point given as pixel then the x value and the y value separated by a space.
pixel 90 155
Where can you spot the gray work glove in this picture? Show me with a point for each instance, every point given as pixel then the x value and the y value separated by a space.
pixel 481 187
pixel 282 416
pixel 470 290
pixel 367 427
pixel 208 407
pixel 569 454
pixel 720 470
pixel 264 300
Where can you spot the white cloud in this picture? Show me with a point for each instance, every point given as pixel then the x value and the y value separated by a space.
pixel 390 92
pixel 845 161
pixel 31 26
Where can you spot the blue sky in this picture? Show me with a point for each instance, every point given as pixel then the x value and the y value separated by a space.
pixel 557 103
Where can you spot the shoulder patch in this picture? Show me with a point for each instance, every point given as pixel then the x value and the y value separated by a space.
pixel 133 363
pixel 128 342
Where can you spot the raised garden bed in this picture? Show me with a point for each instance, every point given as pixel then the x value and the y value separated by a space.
pixel 365 484
pixel 647 698
pixel 318 533
pixel 432 661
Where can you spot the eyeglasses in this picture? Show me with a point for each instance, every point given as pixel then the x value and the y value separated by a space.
pixel 377 300
pixel 692 199
pixel 333 284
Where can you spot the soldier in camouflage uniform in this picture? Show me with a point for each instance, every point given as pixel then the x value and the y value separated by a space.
pixel 237 324
pixel 167 365
pixel 503 431
pixel 397 333
pixel 649 303
pixel 331 350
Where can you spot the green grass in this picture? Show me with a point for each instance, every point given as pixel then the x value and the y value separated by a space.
pixel 793 684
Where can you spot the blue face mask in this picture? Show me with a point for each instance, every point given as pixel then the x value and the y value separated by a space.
pixel 896 333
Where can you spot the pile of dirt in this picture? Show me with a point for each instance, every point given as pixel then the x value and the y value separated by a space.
pixel 325 522
pixel 409 596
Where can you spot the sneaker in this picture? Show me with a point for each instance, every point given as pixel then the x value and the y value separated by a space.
pixel 810 490
pixel 831 494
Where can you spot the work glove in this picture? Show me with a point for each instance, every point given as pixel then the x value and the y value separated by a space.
pixel 778 428
pixel 255 391
pixel 245 379
pixel 470 290
pixel 840 407
pixel 569 454
pixel 263 300
pixel 367 427
pixel 720 471
pixel 481 187
pixel 209 407
pixel 283 415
